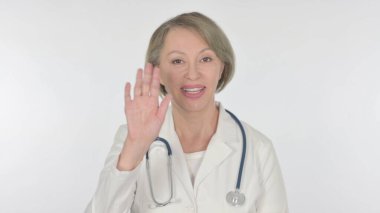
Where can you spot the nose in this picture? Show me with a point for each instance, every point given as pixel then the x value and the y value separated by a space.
pixel 192 72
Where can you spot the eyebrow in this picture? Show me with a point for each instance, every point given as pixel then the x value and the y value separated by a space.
pixel 180 52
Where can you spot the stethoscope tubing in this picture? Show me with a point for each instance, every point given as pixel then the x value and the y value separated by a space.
pixel 240 174
pixel 170 174
pixel 244 150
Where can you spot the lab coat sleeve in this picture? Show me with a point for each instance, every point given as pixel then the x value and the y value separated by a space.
pixel 273 198
pixel 116 189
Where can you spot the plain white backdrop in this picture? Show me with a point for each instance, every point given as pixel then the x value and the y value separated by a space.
pixel 307 76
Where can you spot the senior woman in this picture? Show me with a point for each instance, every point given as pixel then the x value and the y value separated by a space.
pixel 207 160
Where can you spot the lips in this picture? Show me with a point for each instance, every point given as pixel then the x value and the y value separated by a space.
pixel 193 91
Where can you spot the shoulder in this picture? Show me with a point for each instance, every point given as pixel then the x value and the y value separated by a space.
pixel 257 140
pixel 117 145
pixel 121 133
pixel 228 122
pixel 256 135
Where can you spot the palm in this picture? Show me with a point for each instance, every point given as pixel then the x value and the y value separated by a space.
pixel 144 114
pixel 142 117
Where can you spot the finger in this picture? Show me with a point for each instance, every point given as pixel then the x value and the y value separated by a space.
pixel 127 93
pixel 163 107
pixel 138 84
pixel 147 78
pixel 155 84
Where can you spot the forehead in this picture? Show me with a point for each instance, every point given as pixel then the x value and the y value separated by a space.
pixel 181 37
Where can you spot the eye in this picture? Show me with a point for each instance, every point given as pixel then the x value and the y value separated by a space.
pixel 177 61
pixel 206 59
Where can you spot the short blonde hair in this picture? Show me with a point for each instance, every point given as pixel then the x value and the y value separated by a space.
pixel 208 30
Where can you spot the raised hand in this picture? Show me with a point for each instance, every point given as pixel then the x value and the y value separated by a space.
pixel 144 114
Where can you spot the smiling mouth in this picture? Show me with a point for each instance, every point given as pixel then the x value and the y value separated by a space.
pixel 193 90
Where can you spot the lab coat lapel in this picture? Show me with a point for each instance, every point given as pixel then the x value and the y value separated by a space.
pixel 218 149
pixel 178 158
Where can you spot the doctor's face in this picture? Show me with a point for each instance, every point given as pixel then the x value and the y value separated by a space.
pixel 189 70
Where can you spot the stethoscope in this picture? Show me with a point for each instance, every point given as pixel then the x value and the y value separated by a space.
pixel 234 197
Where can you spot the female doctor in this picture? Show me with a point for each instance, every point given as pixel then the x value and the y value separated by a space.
pixel 207 160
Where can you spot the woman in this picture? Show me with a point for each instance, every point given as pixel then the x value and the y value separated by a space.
pixel 189 59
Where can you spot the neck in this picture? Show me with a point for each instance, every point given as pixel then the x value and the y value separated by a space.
pixel 195 129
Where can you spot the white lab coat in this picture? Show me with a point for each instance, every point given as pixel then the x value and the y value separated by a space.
pixel 262 184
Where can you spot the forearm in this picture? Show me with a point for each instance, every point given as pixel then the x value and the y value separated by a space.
pixel 115 191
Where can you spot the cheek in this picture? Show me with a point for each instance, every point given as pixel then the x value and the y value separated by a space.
pixel 219 72
pixel 164 73
pixel 168 79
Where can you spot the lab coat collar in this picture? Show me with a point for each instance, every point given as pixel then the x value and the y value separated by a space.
pixel 217 151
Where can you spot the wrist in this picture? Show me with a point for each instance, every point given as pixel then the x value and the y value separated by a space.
pixel 126 164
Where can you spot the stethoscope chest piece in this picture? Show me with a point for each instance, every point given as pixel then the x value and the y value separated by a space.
pixel 235 198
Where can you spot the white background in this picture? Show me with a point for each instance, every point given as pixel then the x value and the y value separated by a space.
pixel 307 76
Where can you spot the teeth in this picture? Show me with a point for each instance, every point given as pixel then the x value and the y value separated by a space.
pixel 192 89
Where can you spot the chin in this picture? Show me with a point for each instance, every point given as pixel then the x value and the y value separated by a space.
pixel 194 105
